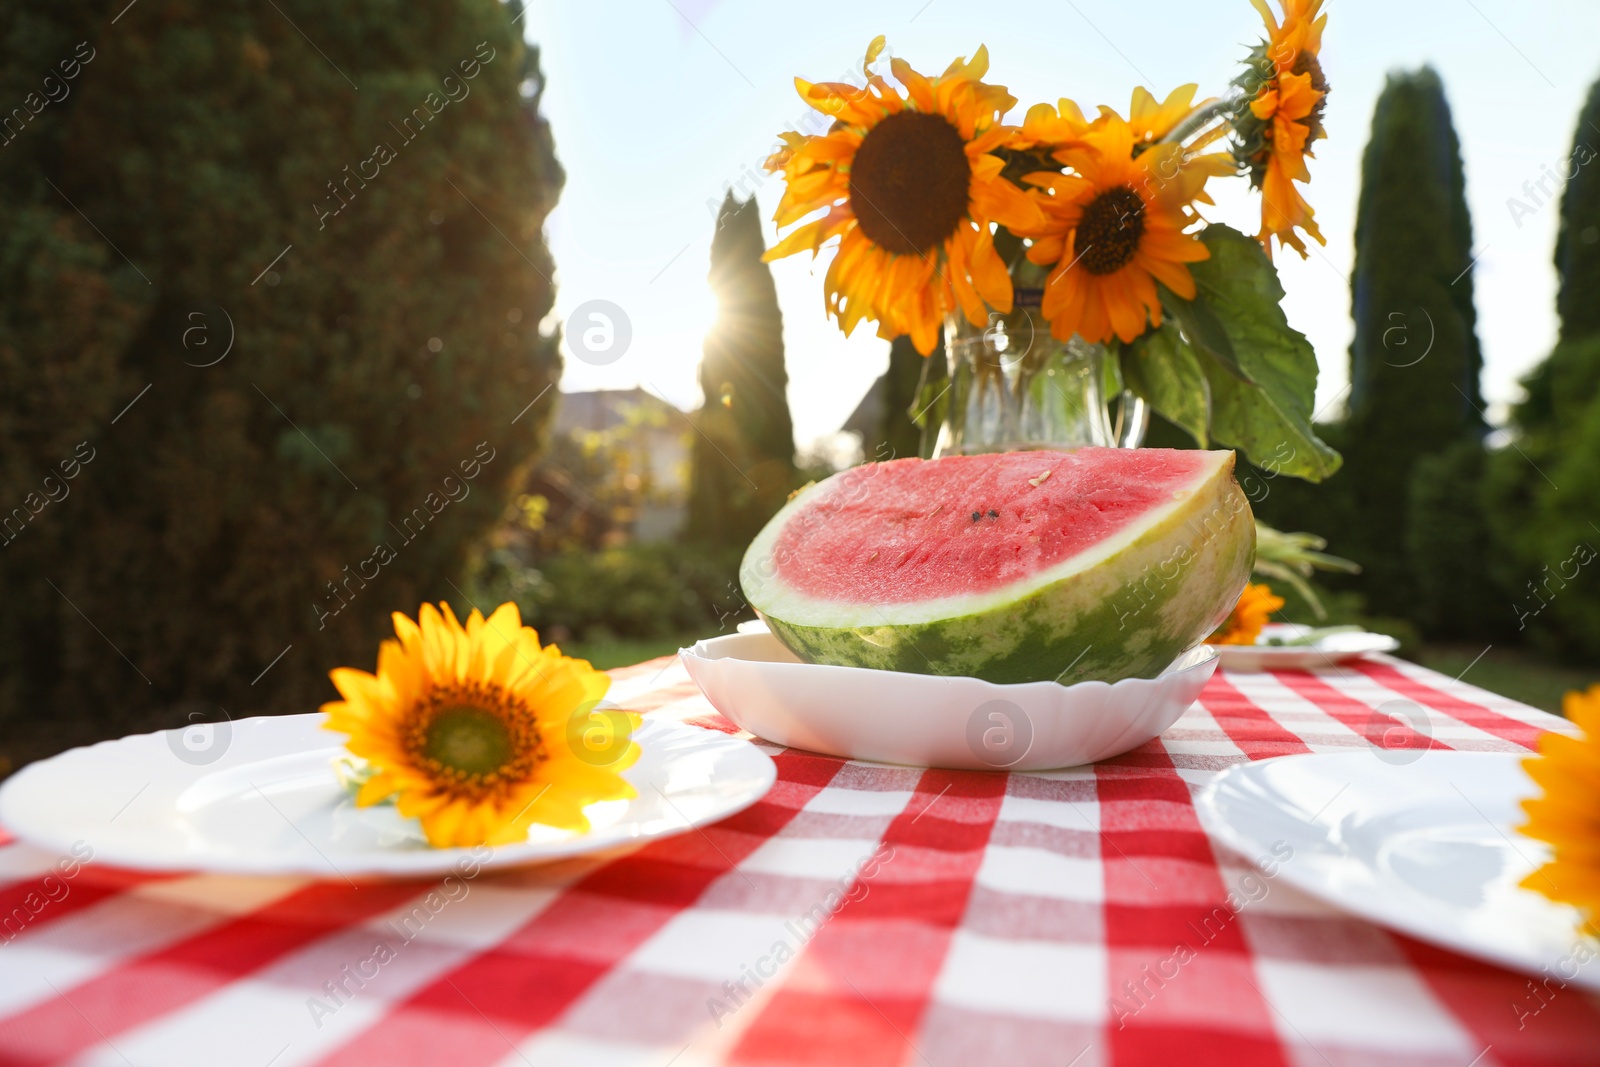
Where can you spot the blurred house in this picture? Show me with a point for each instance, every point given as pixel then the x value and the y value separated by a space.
pixel 646 442
pixel 882 420
pixel 867 418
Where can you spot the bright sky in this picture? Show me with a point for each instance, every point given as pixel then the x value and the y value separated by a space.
pixel 659 106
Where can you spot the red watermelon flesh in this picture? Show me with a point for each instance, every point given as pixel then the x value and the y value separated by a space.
pixel 1095 564
pixel 998 519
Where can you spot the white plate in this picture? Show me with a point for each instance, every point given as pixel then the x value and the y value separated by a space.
pixel 925 720
pixel 1327 652
pixel 270 803
pixel 1426 846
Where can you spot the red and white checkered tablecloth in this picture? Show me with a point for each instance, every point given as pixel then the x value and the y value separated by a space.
pixel 859 914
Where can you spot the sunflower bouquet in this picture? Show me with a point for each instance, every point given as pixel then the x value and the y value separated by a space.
pixel 941 214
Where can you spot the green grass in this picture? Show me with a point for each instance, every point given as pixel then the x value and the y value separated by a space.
pixel 623 651
pixel 1513 672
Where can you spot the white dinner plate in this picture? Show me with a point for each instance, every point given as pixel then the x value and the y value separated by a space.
pixel 270 803
pixel 1423 841
pixel 925 720
pixel 1328 651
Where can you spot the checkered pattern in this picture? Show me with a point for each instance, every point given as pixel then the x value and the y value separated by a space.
pixel 859 914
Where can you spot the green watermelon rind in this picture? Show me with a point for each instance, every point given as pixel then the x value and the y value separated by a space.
pixel 1124 609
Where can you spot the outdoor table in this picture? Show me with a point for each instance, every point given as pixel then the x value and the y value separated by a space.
pixel 859 914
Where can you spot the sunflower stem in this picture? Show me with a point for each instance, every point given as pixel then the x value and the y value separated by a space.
pixel 1201 118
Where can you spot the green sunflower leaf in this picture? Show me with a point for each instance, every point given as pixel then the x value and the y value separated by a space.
pixel 1269 420
pixel 1111 383
pixel 1165 371
pixel 1203 330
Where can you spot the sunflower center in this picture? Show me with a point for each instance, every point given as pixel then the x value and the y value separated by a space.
pixel 908 182
pixel 473 738
pixel 468 739
pixel 1308 63
pixel 1109 230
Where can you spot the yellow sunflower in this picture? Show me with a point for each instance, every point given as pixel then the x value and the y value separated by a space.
pixel 1051 128
pixel 1567 815
pixel 1153 119
pixel 1115 224
pixel 1288 92
pixel 910 190
pixel 1256 605
pixel 479 732
pixel 1063 126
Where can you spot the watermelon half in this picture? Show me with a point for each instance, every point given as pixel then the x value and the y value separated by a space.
pixel 1102 563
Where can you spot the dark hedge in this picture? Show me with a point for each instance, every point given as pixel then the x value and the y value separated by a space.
pixel 213 512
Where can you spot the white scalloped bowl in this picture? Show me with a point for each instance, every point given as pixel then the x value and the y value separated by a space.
pixel 924 720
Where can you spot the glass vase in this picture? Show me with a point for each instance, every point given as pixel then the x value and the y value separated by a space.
pixel 1013 387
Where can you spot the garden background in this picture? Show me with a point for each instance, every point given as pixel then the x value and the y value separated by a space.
pixel 285 347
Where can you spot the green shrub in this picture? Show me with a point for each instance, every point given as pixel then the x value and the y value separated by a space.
pixel 1560 584
pixel 591 488
pixel 1448 543
pixel 1539 500
pixel 231 502
pixel 1558 390
pixel 631 591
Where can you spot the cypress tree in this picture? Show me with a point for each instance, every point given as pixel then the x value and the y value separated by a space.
pixel 264 320
pixel 1578 238
pixel 1540 494
pixel 742 464
pixel 1577 260
pixel 895 435
pixel 1415 360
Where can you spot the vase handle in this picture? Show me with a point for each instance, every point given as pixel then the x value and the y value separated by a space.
pixel 1133 421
